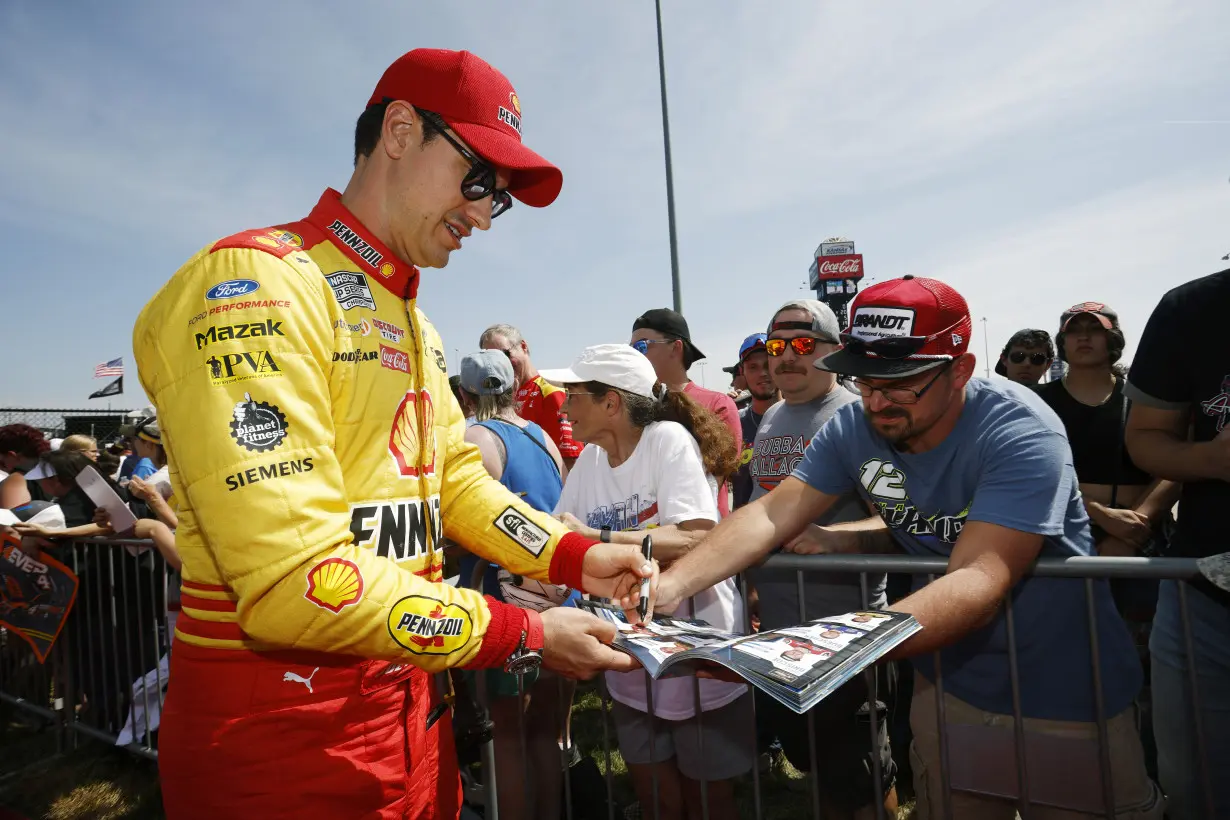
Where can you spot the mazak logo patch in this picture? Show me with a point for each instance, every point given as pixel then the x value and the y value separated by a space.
pixel 394 359
pixel 232 288
pixel 426 626
pixel 879 322
pixel 351 290
pixel 242 367
pixel 520 529
pixel 224 333
pixel 334 584
pixel 258 426
pixel 362 248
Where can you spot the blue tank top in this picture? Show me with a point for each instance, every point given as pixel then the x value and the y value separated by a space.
pixel 530 472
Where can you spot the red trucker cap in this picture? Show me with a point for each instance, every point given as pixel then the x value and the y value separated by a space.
pixel 480 105
pixel 926 312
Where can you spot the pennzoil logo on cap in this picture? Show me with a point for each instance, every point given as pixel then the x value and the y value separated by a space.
pixel 509 117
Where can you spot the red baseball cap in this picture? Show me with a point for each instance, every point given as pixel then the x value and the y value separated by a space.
pixel 1105 315
pixel 900 328
pixel 480 105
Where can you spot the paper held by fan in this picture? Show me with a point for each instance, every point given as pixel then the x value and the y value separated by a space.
pixel 100 492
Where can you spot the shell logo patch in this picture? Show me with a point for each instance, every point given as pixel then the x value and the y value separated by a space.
pixel 442 631
pixel 404 441
pixel 334 584
pixel 386 270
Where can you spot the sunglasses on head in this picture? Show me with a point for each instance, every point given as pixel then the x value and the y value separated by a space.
pixel 1018 356
pixel 479 181
pixel 801 345
pixel 890 347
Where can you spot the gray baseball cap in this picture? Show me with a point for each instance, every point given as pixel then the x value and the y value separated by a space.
pixel 823 320
pixel 487 373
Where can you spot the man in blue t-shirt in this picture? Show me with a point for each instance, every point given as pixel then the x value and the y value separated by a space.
pixel 981 474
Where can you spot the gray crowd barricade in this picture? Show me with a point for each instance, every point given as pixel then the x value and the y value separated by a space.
pixel 1081 570
pixel 106 675
pixel 107 672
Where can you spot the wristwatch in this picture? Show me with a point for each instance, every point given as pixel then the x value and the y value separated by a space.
pixel 604 535
pixel 527 657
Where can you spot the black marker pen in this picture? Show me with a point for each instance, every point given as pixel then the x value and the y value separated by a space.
pixel 642 608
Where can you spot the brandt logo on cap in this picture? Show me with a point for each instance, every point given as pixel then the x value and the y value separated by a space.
pixel 880 322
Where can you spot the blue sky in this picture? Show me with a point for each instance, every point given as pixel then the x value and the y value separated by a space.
pixel 1032 155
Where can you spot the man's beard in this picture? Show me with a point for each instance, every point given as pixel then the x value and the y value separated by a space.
pixel 902 434
pixel 765 393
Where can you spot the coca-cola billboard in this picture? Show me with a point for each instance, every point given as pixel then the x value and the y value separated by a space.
pixel 849 266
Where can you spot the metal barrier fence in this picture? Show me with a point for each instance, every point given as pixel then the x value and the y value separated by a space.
pixel 59 423
pixel 106 676
pixel 1082 570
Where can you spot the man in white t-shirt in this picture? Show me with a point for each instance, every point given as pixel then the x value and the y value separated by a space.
pixel 643 470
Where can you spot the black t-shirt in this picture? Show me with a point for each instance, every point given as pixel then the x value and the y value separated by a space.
pixel 1183 363
pixel 1095 434
pixel 77 507
pixel 741 484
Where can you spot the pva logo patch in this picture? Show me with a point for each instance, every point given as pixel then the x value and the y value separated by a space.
pixel 426 626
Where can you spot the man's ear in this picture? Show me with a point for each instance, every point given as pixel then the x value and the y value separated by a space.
pixel 402 129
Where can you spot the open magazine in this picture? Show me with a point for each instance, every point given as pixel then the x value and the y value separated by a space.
pixel 798 666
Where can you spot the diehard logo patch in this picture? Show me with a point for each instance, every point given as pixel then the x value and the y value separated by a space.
pixel 526 533
pixel 351 290
pixel 334 584
pixel 443 630
pixel 258 426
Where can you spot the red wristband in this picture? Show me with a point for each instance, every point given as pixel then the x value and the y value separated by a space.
pixel 567 560
pixel 535 636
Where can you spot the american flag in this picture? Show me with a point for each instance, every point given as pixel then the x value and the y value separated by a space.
pixel 109 370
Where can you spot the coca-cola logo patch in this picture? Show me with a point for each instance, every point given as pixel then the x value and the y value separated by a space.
pixel 394 359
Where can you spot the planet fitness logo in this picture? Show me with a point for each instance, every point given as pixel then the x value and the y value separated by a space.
pixel 258 426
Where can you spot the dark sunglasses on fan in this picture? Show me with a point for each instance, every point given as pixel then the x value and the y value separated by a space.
pixel 479 181
pixel 1018 356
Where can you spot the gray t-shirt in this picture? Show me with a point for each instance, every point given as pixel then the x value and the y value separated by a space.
pixel 783 436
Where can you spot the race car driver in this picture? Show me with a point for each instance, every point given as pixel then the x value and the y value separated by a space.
pixel 319 460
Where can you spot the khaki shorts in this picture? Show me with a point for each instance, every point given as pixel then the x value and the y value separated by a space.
pixel 1064 770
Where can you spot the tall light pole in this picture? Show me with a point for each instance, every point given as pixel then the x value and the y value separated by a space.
pixel 986 347
pixel 676 291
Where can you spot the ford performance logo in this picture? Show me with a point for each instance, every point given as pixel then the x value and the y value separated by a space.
pixel 232 288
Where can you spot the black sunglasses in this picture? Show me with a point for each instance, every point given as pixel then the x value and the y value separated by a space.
pixel 479 181
pixel 1018 356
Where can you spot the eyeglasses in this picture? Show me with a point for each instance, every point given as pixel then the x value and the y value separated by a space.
pixel 571 394
pixel 479 181
pixel 507 351
pixel 802 345
pixel 900 395
pixel 642 345
pixel 1018 356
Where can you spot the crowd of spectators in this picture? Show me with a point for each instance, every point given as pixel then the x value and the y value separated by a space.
pixel 832 441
